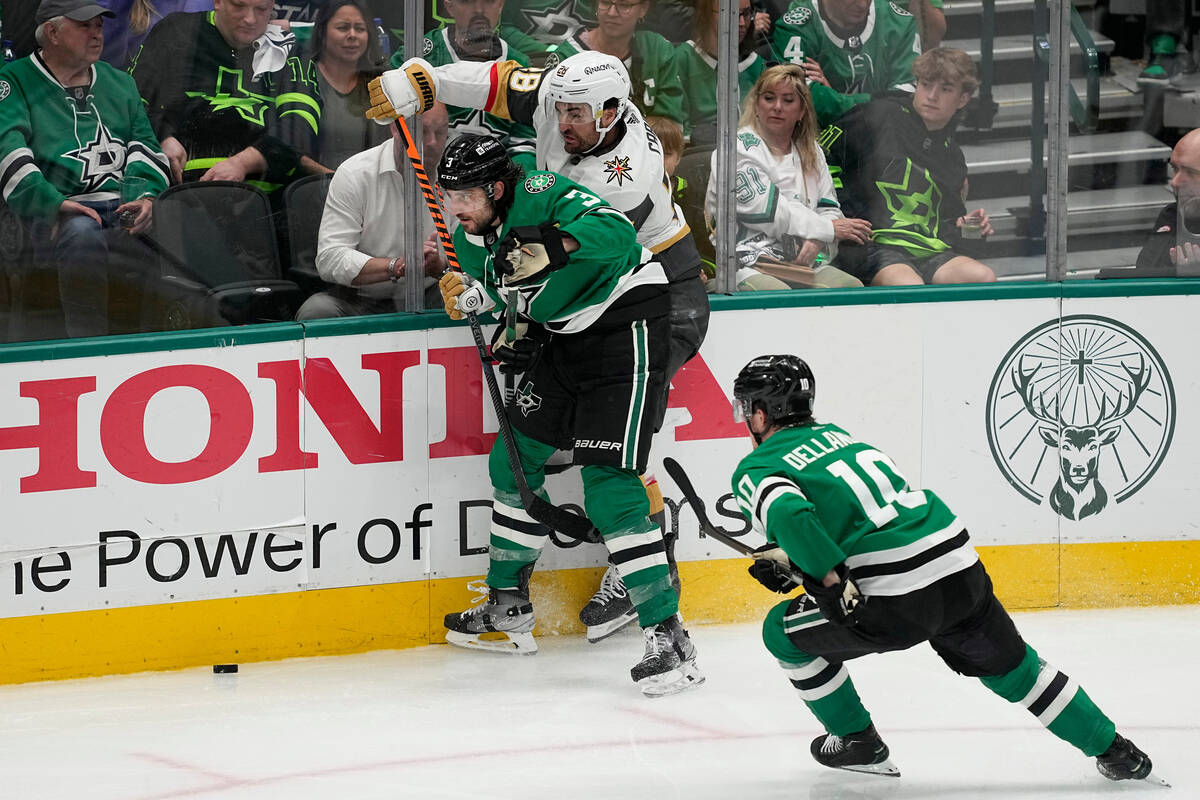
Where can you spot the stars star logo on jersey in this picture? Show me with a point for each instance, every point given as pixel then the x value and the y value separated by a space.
pixel 231 94
pixel 550 23
pixel 910 206
pixel 102 158
pixel 5 89
pixel 539 183
pixel 749 140
pixel 618 170
pixel 798 16
pixel 527 401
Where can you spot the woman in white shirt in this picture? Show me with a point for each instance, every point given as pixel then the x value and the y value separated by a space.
pixel 787 209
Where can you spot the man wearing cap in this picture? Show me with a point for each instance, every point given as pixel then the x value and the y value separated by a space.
pixel 72 130
pixel 227 94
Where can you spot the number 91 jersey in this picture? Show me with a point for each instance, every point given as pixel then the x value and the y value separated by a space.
pixel 825 498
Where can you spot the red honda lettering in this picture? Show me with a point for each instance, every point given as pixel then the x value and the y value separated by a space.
pixel 464 404
pixel 695 389
pixel 123 424
pixel 55 436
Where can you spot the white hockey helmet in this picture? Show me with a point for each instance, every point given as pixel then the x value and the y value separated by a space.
pixel 590 78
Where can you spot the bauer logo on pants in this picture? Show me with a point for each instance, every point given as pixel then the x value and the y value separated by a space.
pixel 1080 414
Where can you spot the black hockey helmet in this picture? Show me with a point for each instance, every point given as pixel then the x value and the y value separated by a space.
pixel 474 160
pixel 782 386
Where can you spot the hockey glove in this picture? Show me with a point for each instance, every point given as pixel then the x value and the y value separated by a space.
pixel 773 569
pixel 519 355
pixel 838 602
pixel 462 295
pixel 527 253
pixel 402 92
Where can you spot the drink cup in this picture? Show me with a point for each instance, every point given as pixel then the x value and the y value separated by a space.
pixel 972 226
pixel 131 189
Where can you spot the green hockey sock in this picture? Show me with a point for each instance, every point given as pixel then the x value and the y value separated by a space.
pixel 1057 702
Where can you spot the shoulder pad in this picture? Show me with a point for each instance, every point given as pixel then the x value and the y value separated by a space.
pixel 798 15
pixel 899 11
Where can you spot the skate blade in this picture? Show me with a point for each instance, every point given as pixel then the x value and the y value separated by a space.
pixel 511 643
pixel 1157 781
pixel 596 633
pixel 885 768
pixel 687 676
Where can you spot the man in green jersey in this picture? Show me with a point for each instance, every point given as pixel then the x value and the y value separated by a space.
pixel 591 341
pixel 473 36
pixel 74 137
pixel 850 50
pixel 884 567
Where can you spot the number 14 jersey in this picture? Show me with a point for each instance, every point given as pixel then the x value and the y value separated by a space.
pixel 825 497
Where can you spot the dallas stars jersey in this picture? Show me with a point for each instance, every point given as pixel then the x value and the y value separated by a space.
pixel 59 144
pixel 657 89
pixel 825 497
pixel 776 198
pixel 203 93
pixel 439 50
pixel 908 181
pixel 698 71
pixel 607 265
pixel 877 60
pixel 629 175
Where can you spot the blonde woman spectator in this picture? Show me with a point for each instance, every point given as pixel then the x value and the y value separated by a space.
pixel 787 210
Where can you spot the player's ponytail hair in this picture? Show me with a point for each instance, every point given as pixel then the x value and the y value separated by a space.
pixel 140 14
pixel 804 135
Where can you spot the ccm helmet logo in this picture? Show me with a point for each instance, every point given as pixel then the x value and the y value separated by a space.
pixel 597 68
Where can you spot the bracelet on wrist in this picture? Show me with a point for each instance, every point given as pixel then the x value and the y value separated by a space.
pixel 392 273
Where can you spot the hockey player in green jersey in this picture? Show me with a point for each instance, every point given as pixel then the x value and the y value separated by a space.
pixel 591 345
pixel 851 50
pixel 884 567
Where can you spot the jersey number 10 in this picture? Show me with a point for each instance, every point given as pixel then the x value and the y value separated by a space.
pixel 878 469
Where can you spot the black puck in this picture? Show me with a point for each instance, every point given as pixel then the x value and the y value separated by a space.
pixel 224 669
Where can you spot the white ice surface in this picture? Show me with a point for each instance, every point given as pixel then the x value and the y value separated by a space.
pixel 439 722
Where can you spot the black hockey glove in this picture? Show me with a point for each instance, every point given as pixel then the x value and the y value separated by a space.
pixel 528 253
pixel 520 355
pixel 838 602
pixel 774 570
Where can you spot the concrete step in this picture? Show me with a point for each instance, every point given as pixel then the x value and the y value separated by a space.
pixel 1015 101
pixel 1126 208
pixel 1099 148
pixel 1081 264
pixel 1012 54
pixel 964 18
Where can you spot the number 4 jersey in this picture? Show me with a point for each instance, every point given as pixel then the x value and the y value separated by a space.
pixel 825 497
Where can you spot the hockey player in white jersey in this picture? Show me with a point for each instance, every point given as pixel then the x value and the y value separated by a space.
pixel 589 131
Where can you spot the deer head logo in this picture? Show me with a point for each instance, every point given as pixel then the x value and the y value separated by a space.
pixel 1080 414
pixel 1078 492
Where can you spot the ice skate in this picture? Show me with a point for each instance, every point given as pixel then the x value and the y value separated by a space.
pixel 669 665
pixel 858 752
pixel 500 621
pixel 610 608
pixel 1123 761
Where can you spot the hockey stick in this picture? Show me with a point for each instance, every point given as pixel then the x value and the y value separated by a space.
pixel 675 470
pixel 541 510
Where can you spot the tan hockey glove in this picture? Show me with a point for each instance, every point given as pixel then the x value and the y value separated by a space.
pixel 402 92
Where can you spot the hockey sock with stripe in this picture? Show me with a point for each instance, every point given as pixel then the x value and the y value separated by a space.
pixel 1057 701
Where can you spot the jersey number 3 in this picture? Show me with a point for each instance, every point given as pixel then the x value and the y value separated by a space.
pixel 874 467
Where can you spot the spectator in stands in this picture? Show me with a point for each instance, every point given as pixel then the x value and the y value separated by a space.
pixel 648 57
pixel 228 97
pixel 900 167
pixel 697 64
pixel 670 136
pixel 360 249
pixel 473 36
pixel 849 49
pixel 125 32
pixel 1175 241
pixel 787 209
pixel 72 130
pixel 1166 29
pixel 345 49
